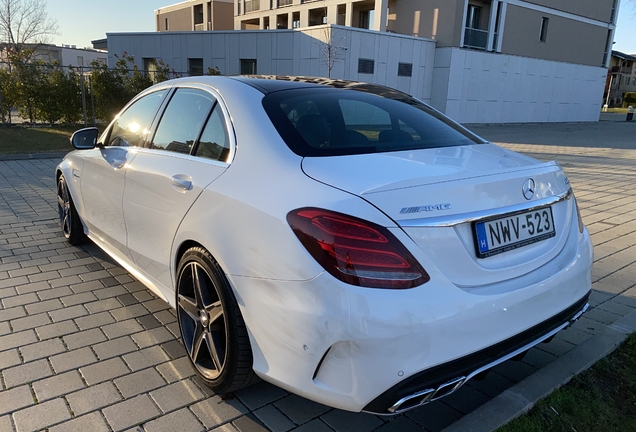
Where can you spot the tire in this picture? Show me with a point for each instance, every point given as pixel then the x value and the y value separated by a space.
pixel 69 220
pixel 211 324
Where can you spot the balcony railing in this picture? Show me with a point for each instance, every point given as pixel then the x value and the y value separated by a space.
pixel 252 5
pixel 475 38
pixel 201 27
pixel 285 2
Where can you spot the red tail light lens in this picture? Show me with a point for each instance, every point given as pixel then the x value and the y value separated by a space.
pixel 356 251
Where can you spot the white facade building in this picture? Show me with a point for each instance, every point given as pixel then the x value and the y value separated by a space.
pixel 470 86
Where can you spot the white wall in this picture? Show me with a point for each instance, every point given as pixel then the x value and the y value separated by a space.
pixel 479 87
pixel 289 52
pixel 69 56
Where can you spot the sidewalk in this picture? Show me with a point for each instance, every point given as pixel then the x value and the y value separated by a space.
pixel 83 346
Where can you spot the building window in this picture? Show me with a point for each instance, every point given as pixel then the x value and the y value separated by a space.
pixel 285 3
pixel 405 69
pixel 80 61
pixel 150 67
pixel 195 66
pixel 248 66
pixel 366 19
pixel 365 66
pixel 544 29
pixel 296 20
pixel 473 17
pixel 167 28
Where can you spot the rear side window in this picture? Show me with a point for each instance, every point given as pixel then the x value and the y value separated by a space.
pixel 132 126
pixel 329 122
pixel 214 142
pixel 182 121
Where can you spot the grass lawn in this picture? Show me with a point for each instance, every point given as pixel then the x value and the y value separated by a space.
pixel 602 398
pixel 617 110
pixel 25 139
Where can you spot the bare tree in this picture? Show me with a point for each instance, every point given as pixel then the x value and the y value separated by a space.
pixel 23 24
pixel 330 49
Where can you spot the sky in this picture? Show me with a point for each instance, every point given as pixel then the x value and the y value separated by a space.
pixel 81 21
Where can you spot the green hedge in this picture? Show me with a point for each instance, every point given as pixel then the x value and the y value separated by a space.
pixel 630 99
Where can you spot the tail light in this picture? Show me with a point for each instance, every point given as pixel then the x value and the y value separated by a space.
pixel 356 251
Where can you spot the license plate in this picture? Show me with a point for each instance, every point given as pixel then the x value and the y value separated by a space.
pixel 513 231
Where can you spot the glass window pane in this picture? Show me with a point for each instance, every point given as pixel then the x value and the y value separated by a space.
pixel 132 126
pixel 182 120
pixel 214 142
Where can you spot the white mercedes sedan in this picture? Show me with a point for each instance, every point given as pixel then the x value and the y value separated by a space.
pixel 341 240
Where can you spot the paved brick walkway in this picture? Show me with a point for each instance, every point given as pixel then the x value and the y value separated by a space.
pixel 84 347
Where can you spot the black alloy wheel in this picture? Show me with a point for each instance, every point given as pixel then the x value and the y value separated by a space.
pixel 69 220
pixel 212 328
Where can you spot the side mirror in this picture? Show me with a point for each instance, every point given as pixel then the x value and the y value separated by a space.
pixel 85 139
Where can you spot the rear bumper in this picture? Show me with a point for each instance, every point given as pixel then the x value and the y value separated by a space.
pixel 442 380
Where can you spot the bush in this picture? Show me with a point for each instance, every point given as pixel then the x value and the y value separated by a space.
pixel 630 99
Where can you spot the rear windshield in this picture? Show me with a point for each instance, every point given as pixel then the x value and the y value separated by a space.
pixel 330 122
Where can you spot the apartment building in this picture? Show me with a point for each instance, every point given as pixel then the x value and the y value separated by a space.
pixel 195 15
pixel 579 31
pixel 65 55
pixel 621 78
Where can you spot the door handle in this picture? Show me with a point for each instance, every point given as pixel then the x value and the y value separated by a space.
pixel 181 181
pixel 118 163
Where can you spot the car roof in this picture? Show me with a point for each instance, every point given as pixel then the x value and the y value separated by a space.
pixel 273 83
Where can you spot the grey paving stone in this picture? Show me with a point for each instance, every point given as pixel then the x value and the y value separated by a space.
pixel 12 313
pixel 33 287
pixel 9 358
pixel 143 296
pixel 176 395
pixel 44 306
pixel 491 385
pixel 64 281
pixel 316 426
pixel 145 358
pixel 114 347
pixel 14 399
pixel 165 316
pixel 274 419
pixel 26 373
pixel 556 346
pixel 96 320
pixel 19 300
pixel 30 322
pixel 103 305
pixel 78 299
pixel 122 328
pixel 68 313
pixel 351 422
pixel 4 328
pixel 182 421
pixel 299 409
pixel 87 287
pixel 434 416
pixel 42 349
pixel 156 305
pixel 174 349
pixel 514 370
pixel 54 293
pixel 573 336
pixel 214 411
pixel 246 423
pixel 466 399
pixel 152 337
pixel 94 275
pixel 13 282
pixel 89 423
pixel 84 338
pixel 398 424
pixel 104 371
pixel 45 275
pixel 128 312
pixel 130 412
pixel 602 316
pixel 93 398
pixel 57 385
pixel 538 358
pixel 260 394
pixel 111 291
pixel 149 322
pixel 176 370
pixel 139 382
pixel 5 424
pixel 72 359
pixel 41 416
pixel 8 292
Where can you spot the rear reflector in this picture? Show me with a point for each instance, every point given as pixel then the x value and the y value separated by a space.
pixel 356 251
